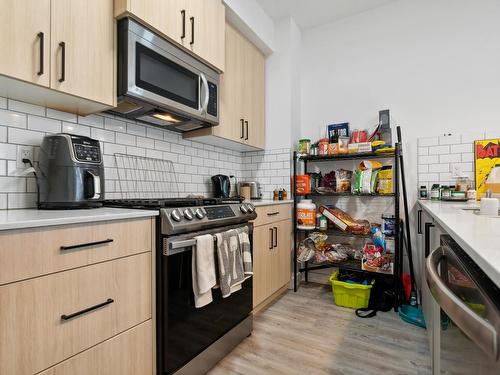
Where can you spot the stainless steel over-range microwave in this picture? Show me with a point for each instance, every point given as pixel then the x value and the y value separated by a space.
pixel 161 84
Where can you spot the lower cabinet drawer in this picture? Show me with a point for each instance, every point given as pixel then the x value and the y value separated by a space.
pixel 272 213
pixel 27 253
pixel 129 353
pixel 46 320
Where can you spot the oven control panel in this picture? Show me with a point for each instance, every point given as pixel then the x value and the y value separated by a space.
pixel 191 219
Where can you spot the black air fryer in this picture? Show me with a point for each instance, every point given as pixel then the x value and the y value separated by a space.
pixel 71 172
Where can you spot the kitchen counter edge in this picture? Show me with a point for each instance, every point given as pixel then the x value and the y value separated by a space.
pixel 34 218
pixel 477 235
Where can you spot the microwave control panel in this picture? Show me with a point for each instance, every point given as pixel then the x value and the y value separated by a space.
pixel 212 99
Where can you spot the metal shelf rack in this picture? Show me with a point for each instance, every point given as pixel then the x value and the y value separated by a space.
pixel 352 265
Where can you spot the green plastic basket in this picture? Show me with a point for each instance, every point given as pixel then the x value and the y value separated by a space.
pixel 354 296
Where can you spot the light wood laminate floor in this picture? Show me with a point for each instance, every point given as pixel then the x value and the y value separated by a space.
pixel 305 333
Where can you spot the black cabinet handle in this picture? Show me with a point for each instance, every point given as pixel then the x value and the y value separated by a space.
pixel 183 15
pixel 427 240
pixel 63 61
pixel 246 137
pixel 88 309
pixel 41 37
pixel 273 213
pixel 242 134
pixel 419 221
pixel 271 240
pixel 275 243
pixel 71 247
pixel 192 30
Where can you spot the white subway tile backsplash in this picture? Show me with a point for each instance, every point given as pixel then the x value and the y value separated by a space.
pixel 433 168
pixel 438 150
pixel 69 127
pixel 429 176
pixel 468 157
pixel 43 124
pixel 465 147
pixel 115 125
pixel 136 129
pixel 450 158
pixel 63 116
pixel 12 184
pixel 423 151
pixel 23 200
pixel 194 162
pixel 33 109
pixel 102 135
pixel 3 134
pixel 428 159
pixel 125 139
pixel 12 119
pixel 92 120
pixel 24 137
pixel 8 151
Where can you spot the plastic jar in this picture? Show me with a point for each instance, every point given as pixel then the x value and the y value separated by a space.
pixel 445 192
pixel 389 224
pixel 304 146
pixel 435 192
pixel 323 146
pixel 306 215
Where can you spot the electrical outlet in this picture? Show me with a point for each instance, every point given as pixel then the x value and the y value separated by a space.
pixel 456 171
pixel 24 152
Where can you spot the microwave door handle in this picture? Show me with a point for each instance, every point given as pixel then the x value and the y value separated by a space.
pixel 479 330
pixel 204 81
pixel 97 185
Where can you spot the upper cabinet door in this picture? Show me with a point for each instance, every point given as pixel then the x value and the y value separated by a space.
pixel 232 118
pixel 206 26
pixel 255 95
pixel 169 17
pixel 25 40
pixel 83 49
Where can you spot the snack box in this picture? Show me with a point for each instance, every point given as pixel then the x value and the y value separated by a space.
pixel 360 148
pixel 303 184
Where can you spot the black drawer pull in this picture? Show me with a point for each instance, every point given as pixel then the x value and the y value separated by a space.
pixel 41 37
pixel 242 129
pixel 271 239
pixel 183 15
pixel 275 241
pixel 71 247
pixel 63 61
pixel 192 30
pixel 273 213
pixel 74 315
pixel 246 125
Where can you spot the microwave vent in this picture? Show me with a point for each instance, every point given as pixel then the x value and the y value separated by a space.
pixel 125 107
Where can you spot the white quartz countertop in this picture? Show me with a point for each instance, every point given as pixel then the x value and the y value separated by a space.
pixel 269 202
pixel 31 218
pixel 478 235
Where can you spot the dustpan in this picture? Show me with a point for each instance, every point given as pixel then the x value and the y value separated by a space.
pixel 412 315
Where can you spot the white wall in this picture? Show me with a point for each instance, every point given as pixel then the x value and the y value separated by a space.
pixel 283 86
pixel 434 64
pixel 249 17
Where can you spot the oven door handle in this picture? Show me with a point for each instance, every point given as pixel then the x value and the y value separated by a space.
pixel 181 244
pixel 479 330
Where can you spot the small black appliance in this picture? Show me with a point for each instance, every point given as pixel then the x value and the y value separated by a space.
pixel 222 186
pixel 71 172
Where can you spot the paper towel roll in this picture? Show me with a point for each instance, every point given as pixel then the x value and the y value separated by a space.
pixel 489 206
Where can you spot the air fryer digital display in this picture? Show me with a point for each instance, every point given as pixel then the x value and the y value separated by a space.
pixel 87 150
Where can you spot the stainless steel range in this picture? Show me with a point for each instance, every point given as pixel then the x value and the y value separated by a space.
pixel 192 340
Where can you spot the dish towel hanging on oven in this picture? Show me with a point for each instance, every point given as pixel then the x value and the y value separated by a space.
pixel 230 261
pixel 203 270
pixel 245 251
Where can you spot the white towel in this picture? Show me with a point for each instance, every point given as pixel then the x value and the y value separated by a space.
pixel 203 269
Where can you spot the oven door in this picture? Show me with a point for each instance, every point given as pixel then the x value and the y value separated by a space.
pixel 187 330
pixel 469 333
